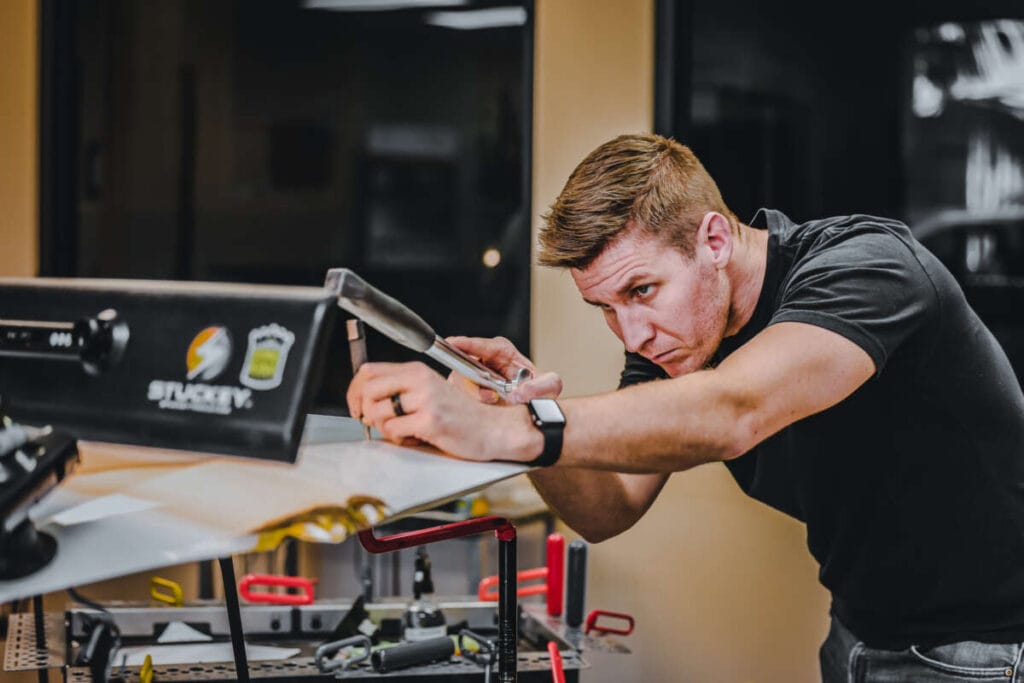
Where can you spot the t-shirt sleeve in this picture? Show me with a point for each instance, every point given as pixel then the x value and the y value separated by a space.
pixel 869 288
pixel 638 370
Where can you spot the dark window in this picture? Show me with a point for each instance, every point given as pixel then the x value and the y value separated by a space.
pixel 269 141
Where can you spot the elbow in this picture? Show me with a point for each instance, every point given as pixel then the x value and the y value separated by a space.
pixel 602 531
pixel 596 535
pixel 747 431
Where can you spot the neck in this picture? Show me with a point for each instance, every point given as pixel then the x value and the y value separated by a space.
pixel 746 271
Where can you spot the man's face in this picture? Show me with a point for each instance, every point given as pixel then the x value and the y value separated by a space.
pixel 671 309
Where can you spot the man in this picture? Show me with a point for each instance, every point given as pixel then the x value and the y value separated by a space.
pixel 834 367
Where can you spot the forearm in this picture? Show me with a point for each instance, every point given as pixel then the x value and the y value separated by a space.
pixel 597 504
pixel 666 426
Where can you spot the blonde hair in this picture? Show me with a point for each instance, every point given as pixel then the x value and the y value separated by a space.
pixel 651 181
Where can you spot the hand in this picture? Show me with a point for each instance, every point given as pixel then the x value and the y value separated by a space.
pixel 435 412
pixel 500 355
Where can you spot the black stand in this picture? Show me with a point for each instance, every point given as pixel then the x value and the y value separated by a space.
pixel 227 573
pixel 24 550
pixel 508 613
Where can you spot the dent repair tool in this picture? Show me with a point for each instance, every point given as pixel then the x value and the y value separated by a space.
pixel 395 320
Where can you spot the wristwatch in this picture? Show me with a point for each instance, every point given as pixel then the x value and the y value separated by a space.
pixel 549 419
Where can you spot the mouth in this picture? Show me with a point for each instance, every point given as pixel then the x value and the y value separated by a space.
pixel 662 357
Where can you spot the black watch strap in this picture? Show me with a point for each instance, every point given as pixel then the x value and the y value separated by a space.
pixel 549 419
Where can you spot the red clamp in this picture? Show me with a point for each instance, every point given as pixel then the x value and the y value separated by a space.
pixel 408 539
pixel 304 598
pixel 487 590
pixel 592 625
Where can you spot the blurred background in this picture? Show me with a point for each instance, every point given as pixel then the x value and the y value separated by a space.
pixel 419 142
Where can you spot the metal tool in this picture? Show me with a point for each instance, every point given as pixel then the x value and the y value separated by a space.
pixel 394 319
pixel 325 652
pixel 485 654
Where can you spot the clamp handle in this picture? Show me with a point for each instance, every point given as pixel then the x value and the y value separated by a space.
pixel 487 590
pixel 596 614
pixel 250 580
pixel 172 594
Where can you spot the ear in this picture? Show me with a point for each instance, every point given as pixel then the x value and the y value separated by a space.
pixel 716 234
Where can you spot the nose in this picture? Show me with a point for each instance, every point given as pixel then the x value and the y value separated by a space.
pixel 635 329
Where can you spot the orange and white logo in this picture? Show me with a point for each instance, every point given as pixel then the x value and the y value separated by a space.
pixel 208 354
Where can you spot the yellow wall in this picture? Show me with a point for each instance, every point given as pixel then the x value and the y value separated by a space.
pixel 723 588
pixel 19 163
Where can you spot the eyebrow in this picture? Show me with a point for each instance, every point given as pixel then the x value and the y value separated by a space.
pixel 629 284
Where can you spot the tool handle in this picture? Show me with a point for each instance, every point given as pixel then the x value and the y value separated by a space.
pixel 596 614
pixel 485 593
pixel 576 584
pixel 412 654
pixel 250 580
pixel 556 573
pixel 172 594
pixel 409 539
pixel 380 311
pixel 356 343
pixel 557 670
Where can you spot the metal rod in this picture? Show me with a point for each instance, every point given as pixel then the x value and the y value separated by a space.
pixel 37 608
pixel 508 632
pixel 227 573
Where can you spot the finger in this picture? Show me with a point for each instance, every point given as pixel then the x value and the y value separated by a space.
pixel 376 413
pixel 376 392
pixel 405 430
pixel 548 385
pixel 470 388
pixel 354 394
pixel 498 352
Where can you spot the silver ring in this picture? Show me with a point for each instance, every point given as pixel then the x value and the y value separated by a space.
pixel 396 405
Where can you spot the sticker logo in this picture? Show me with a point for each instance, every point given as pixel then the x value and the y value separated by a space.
pixel 208 354
pixel 266 356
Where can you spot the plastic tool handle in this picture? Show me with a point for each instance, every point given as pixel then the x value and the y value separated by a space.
pixel 172 593
pixel 249 580
pixel 576 584
pixel 380 311
pixel 412 654
pixel 592 624
pixel 486 590
pixel 556 573
pixel 557 670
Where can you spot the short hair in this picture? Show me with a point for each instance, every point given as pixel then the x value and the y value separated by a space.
pixel 652 181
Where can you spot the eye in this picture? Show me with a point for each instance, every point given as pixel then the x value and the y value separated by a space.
pixel 642 291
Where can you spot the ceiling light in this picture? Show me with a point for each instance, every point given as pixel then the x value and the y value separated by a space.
pixel 493 17
pixel 378 5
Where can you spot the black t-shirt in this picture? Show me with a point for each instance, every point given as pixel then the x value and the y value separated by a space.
pixel 912 488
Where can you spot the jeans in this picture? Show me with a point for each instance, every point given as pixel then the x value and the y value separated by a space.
pixel 845 659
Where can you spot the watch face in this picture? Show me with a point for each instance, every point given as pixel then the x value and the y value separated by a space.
pixel 547 410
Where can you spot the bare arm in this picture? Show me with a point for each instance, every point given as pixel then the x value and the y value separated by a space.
pixel 597 504
pixel 787 372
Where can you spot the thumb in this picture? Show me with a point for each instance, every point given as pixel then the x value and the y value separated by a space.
pixel 548 385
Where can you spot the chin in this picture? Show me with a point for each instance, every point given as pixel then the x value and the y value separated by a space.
pixel 683 367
